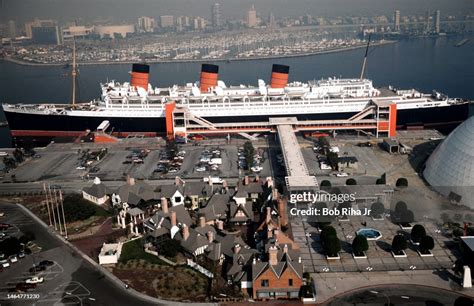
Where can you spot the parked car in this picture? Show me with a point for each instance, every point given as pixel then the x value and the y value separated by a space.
pixel 213 179
pixel 80 168
pixel 34 280
pixel 2 214
pixel 342 174
pixel 46 263
pixel 201 169
pixel 173 170
pixel 13 258
pixel 4 226
pixel 4 263
pixel 256 168
pixel 21 255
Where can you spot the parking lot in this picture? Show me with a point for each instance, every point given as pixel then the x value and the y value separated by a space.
pixel 68 280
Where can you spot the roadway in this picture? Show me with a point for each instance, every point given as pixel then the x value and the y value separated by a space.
pixel 70 280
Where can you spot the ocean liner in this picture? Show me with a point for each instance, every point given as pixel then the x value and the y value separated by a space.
pixel 138 108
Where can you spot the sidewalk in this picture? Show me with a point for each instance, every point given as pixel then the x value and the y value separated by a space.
pixel 333 284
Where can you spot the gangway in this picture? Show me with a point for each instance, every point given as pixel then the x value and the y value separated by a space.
pixel 378 118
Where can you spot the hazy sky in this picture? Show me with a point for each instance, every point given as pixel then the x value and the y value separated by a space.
pixel 129 10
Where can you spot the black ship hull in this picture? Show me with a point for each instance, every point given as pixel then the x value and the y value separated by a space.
pixel 44 128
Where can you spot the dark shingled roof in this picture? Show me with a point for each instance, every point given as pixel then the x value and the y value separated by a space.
pixel 133 194
pixel 96 190
pixel 216 207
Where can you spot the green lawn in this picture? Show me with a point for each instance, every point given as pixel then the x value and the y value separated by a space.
pixel 134 250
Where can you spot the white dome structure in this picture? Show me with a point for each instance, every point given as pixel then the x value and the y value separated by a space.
pixel 450 169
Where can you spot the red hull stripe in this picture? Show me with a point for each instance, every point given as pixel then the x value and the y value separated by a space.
pixel 41 133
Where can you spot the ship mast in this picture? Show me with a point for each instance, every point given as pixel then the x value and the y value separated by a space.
pixel 365 59
pixel 74 72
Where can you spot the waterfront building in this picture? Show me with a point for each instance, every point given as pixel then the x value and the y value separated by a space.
pixel 251 17
pixel 437 20
pixel 199 23
pixel 113 31
pixel 46 35
pixel 216 16
pixel 11 29
pixel 146 24
pixel 396 21
pixel 167 21
pixel 77 32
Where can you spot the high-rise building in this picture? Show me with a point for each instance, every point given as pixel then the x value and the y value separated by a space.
pixel 167 21
pixel 146 24
pixel 271 21
pixel 46 35
pixel 307 19
pixel 437 21
pixel 216 16
pixel 251 17
pixel 37 23
pixel 11 29
pixel 427 21
pixel 396 21
pixel 199 23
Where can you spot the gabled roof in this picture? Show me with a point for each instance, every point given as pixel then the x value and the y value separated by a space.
pixel 216 207
pixel 133 194
pixel 96 190
pixel 135 211
pixel 199 189
pixel 167 191
pixel 245 208
pixel 194 241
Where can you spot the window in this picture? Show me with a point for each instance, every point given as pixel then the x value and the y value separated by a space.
pixel 265 283
pixel 177 199
pixel 290 282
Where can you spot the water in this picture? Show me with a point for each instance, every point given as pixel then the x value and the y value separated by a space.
pixel 424 64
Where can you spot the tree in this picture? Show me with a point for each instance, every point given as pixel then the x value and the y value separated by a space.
pixel 326 183
pixel 376 210
pixel 77 209
pixel 321 220
pixel 330 242
pixel 359 245
pixel 333 159
pixel 351 181
pixel 399 244
pixel 169 248
pixel 400 207
pixel 344 206
pixel 382 180
pixel 402 182
pixel 323 141
pixel 426 244
pixel 10 246
pixel 249 152
pixel 417 233
pixel 407 217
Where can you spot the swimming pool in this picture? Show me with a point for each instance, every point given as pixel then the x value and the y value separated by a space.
pixel 370 233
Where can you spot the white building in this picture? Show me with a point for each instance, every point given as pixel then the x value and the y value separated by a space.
pixel 146 24
pixel 110 253
pixel 97 193
pixel 112 30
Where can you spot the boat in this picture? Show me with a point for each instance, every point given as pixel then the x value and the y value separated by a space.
pixel 138 108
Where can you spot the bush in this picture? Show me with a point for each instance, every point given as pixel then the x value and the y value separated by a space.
pixel 169 248
pixel 27 237
pixel 417 233
pixel 326 232
pixel 249 151
pixel 382 180
pixel 399 244
pixel 402 182
pixel 377 209
pixel 360 245
pixel 326 183
pixel 351 181
pixel 426 243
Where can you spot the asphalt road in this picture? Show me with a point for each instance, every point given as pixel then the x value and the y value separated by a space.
pixel 70 280
pixel 397 295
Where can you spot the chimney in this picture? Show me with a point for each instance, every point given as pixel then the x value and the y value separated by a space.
pixel 202 221
pixel 275 194
pixel 237 248
pixel 282 211
pixel 279 76
pixel 276 233
pixel 130 180
pixel 225 185
pixel 269 182
pixel 299 259
pixel 209 77
pixel 220 225
pixel 285 248
pixel 269 233
pixel 210 236
pixel 173 218
pixel 254 260
pixel 140 74
pixel 178 181
pixel 185 232
pixel 272 255
pixel 257 178
pixel 246 180
pixel 164 205
pixel 268 216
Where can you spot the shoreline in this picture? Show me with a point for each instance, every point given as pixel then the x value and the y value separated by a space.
pixel 337 50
